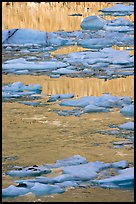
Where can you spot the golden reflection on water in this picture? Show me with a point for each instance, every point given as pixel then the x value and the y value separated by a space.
pixel 49 16
pixel 78 86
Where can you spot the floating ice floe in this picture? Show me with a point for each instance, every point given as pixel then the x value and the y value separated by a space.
pixel 119 9
pixel 13 191
pixel 40 189
pixel 120 22
pixel 30 103
pixel 76 172
pixel 93 104
pixel 106 100
pixel 18 89
pixel 29 171
pixel 33 67
pixel 23 36
pixel 127 126
pixel 125 180
pixel 73 160
pixel 93 23
pixel 95 43
pixel 59 97
pixel 128 110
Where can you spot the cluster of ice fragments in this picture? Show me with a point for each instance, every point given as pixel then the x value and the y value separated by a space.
pixel 89 104
pixel 76 171
pixel 107 64
pixel 97 34
pixel 18 89
pixel 119 10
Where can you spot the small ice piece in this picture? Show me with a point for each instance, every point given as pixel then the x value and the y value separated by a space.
pixel 33 87
pixel 9 95
pixel 92 108
pixel 120 22
pixel 63 71
pixel 67 184
pixel 87 71
pixel 74 160
pixel 44 189
pixel 54 76
pixel 30 103
pixel 95 43
pixel 121 164
pixel 127 110
pixel 25 71
pixel 81 102
pixel 69 112
pixel 30 171
pixel 16 86
pixel 13 191
pixel 84 171
pixel 13 61
pixel 45 180
pixel 119 8
pixel 125 179
pixel 93 23
pixel 60 97
pixel 127 126
pixel 118 28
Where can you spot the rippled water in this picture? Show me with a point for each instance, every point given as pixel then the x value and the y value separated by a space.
pixel 37 135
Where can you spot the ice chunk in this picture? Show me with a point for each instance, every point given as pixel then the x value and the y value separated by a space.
pixel 67 184
pixel 92 23
pixel 127 126
pixel 84 171
pixel 64 71
pixel 93 108
pixel 30 103
pixel 23 36
pixel 60 97
pixel 82 102
pixel 121 164
pixel 118 28
pixel 44 66
pixel 29 171
pixel 54 76
pixel 15 86
pixel 127 110
pixel 44 189
pixel 95 43
pixel 119 8
pixel 13 191
pixel 19 88
pixel 125 179
pixel 74 160
pixel 120 22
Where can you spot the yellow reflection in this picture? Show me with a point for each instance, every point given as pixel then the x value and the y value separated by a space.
pixel 49 16
pixel 78 86
pixel 124 48
pixel 69 49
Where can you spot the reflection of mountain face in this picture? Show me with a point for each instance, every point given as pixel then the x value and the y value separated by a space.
pixel 78 86
pixel 50 16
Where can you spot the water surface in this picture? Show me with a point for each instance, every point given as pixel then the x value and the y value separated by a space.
pixel 37 135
